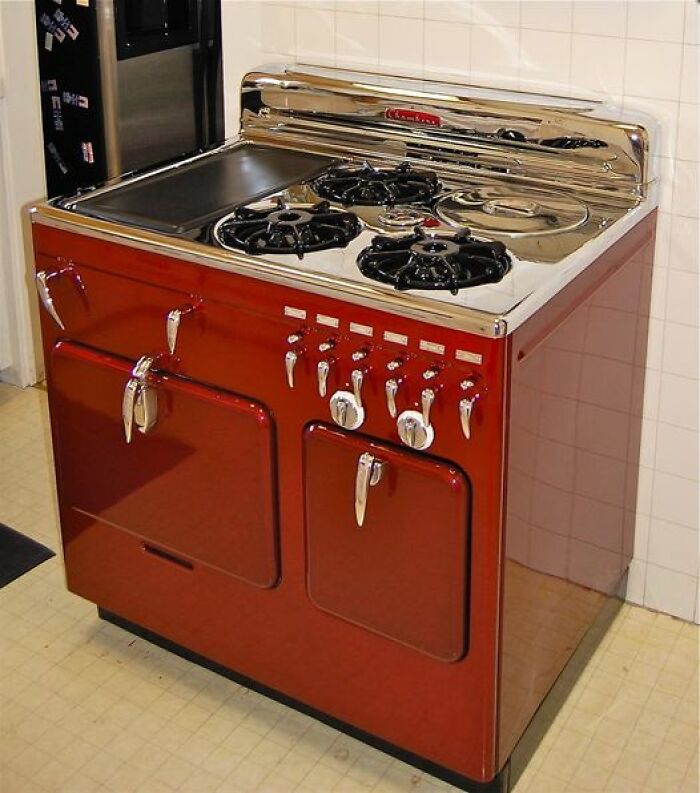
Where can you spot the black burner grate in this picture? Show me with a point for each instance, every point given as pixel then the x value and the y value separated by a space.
pixel 288 229
pixel 422 261
pixel 368 186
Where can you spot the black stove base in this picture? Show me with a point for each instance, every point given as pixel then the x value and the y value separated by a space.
pixel 501 783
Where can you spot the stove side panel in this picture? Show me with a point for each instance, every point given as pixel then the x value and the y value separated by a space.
pixel 576 389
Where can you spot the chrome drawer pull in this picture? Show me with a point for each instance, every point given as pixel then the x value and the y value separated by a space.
pixel 173 320
pixel 42 279
pixel 369 473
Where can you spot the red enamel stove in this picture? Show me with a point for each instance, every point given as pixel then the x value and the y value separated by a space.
pixel 350 406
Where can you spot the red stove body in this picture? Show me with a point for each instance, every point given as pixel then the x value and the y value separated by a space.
pixel 425 598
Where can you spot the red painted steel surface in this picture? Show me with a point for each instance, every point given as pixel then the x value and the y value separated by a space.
pixel 445 712
pixel 403 573
pixel 166 486
pixel 576 384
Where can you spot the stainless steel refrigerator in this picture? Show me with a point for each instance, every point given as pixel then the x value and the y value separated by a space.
pixel 126 84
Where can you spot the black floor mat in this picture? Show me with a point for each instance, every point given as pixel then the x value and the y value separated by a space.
pixel 19 554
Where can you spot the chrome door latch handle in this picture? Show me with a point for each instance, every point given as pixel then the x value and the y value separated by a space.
pixel 369 473
pixel 173 320
pixel 140 400
pixel 42 279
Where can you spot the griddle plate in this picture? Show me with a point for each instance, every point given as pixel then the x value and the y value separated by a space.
pixel 191 195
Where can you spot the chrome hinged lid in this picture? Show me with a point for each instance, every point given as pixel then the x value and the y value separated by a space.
pixel 586 145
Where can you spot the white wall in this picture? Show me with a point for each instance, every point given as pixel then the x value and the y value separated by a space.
pixel 641 53
pixel 21 182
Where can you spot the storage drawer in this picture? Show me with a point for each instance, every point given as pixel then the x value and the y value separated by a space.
pixel 198 487
pixel 402 572
pixel 111 312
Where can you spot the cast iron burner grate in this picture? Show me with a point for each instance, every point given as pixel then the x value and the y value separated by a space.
pixel 287 229
pixel 369 186
pixel 422 261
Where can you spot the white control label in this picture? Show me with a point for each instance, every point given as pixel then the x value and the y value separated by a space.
pixel 297 313
pixel 468 357
pixel 363 330
pixel 432 346
pixel 331 322
pixel 397 338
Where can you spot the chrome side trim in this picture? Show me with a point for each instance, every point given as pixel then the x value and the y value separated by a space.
pixel 401 304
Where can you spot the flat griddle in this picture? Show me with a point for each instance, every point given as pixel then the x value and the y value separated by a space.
pixel 188 196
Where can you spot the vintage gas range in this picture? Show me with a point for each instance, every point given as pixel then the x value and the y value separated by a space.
pixel 350 406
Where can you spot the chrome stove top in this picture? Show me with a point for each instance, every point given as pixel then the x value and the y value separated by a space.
pixel 534 187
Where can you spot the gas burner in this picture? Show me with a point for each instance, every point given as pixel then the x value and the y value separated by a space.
pixel 512 213
pixel 275 227
pixel 369 186
pixel 422 261
pixel 398 219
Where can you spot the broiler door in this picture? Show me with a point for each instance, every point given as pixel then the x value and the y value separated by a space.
pixel 197 486
pixel 387 533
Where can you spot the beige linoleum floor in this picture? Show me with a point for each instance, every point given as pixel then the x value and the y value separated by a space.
pixel 85 706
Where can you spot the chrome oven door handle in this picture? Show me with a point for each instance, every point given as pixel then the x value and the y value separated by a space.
pixel 128 405
pixel 369 473
pixel 140 399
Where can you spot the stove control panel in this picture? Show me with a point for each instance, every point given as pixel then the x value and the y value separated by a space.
pixel 414 382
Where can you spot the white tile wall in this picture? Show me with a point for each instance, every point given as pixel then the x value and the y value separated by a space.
pixel 643 53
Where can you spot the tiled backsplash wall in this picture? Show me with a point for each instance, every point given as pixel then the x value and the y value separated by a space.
pixel 641 53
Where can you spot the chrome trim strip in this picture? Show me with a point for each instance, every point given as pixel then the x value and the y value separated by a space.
pixel 401 304
pixel 109 83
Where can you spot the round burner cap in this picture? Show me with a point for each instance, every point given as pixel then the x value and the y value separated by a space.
pixel 512 212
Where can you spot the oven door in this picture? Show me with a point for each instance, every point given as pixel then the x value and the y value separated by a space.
pixel 197 486
pixel 387 534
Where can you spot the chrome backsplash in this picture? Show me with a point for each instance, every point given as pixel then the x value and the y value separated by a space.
pixel 452 126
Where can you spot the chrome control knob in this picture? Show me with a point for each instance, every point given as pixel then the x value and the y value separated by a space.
pixel 347 410
pixel 391 388
pixel 414 431
pixel 290 361
pixel 466 408
pixel 322 370
pixel 427 398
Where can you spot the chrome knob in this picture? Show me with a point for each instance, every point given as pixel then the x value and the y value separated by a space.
pixel 326 346
pixel 290 361
pixel 322 371
pixel 391 388
pixel 414 431
pixel 346 410
pixel 431 374
pixel 427 398
pixel 295 338
pixel 359 355
pixel 395 364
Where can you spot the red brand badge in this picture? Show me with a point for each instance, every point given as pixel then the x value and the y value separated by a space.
pixel 413 116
